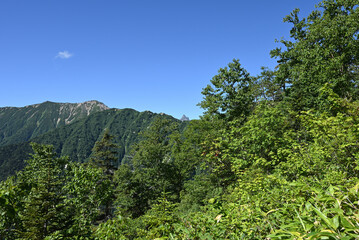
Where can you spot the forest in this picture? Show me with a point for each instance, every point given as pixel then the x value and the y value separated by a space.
pixel 274 156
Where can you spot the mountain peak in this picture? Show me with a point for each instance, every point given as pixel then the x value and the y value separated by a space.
pixel 184 118
pixel 96 103
pixel 30 121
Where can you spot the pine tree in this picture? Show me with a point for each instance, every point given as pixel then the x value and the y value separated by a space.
pixel 45 212
pixel 105 156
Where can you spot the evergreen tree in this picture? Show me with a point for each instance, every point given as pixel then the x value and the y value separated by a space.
pixel 45 212
pixel 105 156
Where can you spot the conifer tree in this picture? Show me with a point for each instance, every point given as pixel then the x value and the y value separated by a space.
pixel 45 212
pixel 105 156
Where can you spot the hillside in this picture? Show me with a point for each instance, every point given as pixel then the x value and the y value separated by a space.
pixel 77 139
pixel 19 124
pixel 274 156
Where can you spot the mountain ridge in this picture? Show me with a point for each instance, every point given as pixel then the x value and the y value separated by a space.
pixel 18 124
pixel 77 138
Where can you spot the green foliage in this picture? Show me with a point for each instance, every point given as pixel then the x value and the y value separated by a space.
pixel 21 124
pixel 204 224
pixel 231 94
pixel 158 222
pixel 329 149
pixel 52 198
pixel 153 169
pixel 262 141
pixel 267 86
pixel 197 192
pixel 45 211
pixel 118 228
pixel 12 158
pixel 105 157
pixel 273 157
pixel 329 214
pixel 10 205
pixel 187 149
pixel 77 139
pixel 214 148
pixel 105 154
pixel 86 192
pixel 324 48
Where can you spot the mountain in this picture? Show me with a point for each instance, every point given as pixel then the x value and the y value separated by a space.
pixel 184 118
pixel 19 124
pixel 77 139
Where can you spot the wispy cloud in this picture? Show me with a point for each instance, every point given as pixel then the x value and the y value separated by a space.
pixel 64 55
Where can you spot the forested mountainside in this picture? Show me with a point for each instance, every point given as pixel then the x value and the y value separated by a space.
pixel 19 124
pixel 274 156
pixel 77 139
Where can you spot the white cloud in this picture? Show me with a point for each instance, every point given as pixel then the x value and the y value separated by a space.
pixel 64 55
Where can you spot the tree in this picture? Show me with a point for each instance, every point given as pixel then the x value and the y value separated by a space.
pixel 105 156
pixel 11 196
pixel 324 49
pixel 45 211
pixel 231 94
pixel 267 87
pixel 86 193
pixel 152 170
pixel 187 149
pixel 231 98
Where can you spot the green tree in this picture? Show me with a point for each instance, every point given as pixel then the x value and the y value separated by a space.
pixel 86 192
pixel 187 147
pixel 231 93
pixel 159 221
pixel 323 49
pixel 267 86
pixel 231 98
pixel 152 169
pixel 330 149
pixel 105 156
pixel 45 212
pixel 11 197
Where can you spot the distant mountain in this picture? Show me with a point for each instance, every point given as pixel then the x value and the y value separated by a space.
pixel 19 124
pixel 77 139
pixel 184 118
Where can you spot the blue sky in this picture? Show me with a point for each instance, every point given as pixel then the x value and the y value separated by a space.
pixel 148 55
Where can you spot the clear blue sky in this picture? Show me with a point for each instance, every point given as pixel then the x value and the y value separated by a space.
pixel 152 55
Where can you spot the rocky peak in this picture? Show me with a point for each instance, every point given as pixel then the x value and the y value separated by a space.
pixel 95 103
pixel 23 123
pixel 72 111
pixel 184 118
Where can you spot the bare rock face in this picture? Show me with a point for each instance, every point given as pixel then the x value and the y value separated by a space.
pixel 18 124
pixel 74 111
pixel 184 118
pixel 93 104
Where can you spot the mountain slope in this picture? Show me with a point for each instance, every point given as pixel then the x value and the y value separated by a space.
pixel 21 124
pixel 77 139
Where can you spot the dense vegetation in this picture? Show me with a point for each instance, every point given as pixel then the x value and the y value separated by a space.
pixel 273 157
pixel 77 139
pixel 21 124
